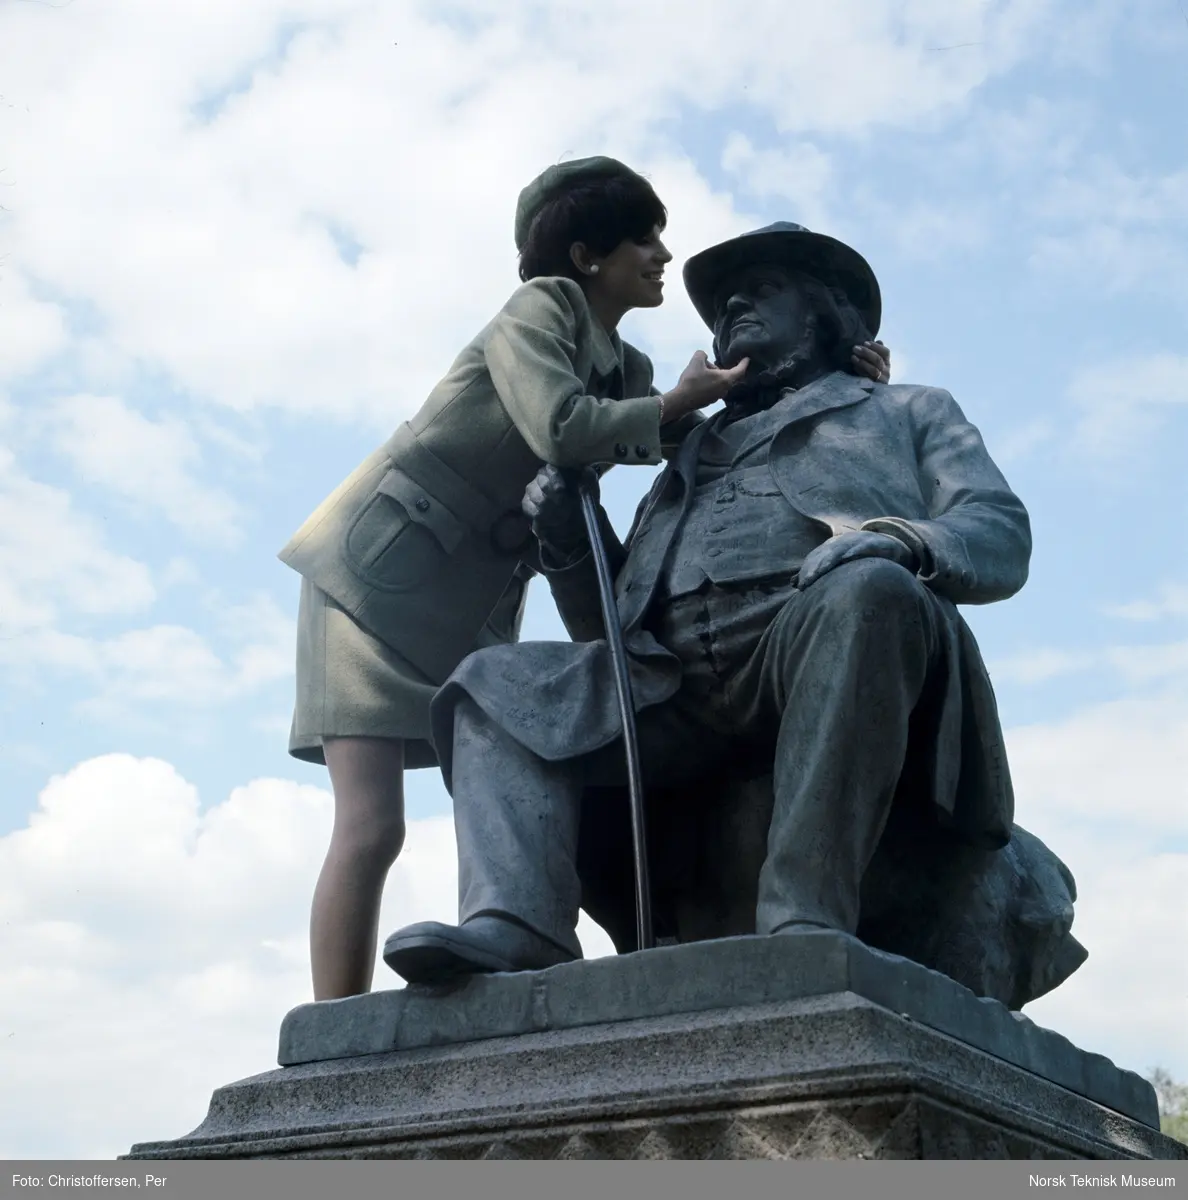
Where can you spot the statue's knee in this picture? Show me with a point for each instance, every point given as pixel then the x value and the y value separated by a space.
pixel 876 587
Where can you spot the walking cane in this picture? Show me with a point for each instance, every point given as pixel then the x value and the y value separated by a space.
pixel 618 651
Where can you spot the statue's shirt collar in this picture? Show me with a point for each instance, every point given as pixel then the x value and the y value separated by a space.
pixel 838 389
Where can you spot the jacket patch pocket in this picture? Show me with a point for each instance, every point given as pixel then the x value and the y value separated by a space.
pixel 402 536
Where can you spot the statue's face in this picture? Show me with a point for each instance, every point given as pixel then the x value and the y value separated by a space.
pixel 762 314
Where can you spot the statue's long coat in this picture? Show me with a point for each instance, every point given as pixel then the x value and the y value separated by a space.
pixel 849 455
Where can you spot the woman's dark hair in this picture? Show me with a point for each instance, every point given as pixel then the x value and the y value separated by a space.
pixel 601 214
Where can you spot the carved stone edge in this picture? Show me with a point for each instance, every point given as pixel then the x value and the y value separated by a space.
pixel 727 974
pixel 1084 1130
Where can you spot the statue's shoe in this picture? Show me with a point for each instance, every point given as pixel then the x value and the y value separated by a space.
pixel 433 953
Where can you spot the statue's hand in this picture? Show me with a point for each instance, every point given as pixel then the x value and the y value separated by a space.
pixel 846 547
pixel 873 361
pixel 551 501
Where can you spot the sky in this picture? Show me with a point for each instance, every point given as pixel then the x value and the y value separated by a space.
pixel 240 243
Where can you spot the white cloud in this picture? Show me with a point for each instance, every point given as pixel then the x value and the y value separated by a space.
pixel 797 174
pixel 1115 230
pixel 934 231
pixel 1122 764
pixel 1041 665
pixel 1021 442
pixel 1123 403
pixel 1104 188
pixel 151 673
pixel 58 577
pixel 1150 664
pixel 148 950
pixel 265 635
pixel 160 664
pixel 1134 665
pixel 191 180
pixel 1038 130
pixel 34 329
pixel 153 464
pixel 1106 789
pixel 149 946
pixel 1130 997
pixel 179 572
pixel 54 559
pixel 1170 601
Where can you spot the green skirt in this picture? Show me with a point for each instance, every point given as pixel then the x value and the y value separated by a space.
pixel 352 684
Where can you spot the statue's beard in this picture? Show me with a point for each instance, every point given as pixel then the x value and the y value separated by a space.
pixel 788 371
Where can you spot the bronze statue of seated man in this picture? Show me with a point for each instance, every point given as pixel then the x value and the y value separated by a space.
pixel 788 596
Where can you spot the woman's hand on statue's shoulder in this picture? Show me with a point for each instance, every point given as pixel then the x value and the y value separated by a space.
pixel 872 360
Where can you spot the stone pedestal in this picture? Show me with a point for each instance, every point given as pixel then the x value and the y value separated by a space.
pixel 802 1046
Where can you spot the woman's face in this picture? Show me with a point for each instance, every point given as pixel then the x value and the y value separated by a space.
pixel 631 275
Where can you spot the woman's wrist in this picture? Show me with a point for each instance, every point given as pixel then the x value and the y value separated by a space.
pixel 671 407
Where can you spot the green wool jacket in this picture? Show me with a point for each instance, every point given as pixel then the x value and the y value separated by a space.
pixel 420 542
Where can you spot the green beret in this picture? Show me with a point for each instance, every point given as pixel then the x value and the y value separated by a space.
pixel 558 178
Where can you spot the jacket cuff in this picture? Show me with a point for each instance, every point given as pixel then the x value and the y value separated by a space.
pixel 636 432
pixel 904 532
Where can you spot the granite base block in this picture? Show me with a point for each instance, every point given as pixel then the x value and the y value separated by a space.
pixel 808 1046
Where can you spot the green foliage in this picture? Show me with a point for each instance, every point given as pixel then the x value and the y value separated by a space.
pixel 1173 1104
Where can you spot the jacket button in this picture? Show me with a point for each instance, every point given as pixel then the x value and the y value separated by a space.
pixel 642 452
pixel 620 451
pixel 422 505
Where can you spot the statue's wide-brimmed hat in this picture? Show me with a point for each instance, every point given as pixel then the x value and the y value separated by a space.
pixel 787 245
pixel 556 179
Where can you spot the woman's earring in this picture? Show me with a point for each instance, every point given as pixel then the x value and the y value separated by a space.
pixel 594 269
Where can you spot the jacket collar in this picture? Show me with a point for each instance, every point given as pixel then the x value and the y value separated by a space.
pixel 839 389
pixel 606 349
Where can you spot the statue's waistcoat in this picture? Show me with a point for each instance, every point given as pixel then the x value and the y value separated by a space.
pixel 738 525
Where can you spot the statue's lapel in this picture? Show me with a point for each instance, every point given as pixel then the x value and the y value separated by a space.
pixel 809 482
pixel 681 469
pixel 686 459
pixel 838 390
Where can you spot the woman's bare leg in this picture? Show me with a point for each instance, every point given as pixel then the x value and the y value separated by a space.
pixel 367 775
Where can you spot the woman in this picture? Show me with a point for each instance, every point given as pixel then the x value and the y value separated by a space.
pixel 423 553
